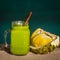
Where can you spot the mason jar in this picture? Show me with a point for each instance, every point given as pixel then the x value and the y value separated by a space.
pixel 19 38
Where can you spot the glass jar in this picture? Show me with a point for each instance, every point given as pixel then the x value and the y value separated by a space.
pixel 19 38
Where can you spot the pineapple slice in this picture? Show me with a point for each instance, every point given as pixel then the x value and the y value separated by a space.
pixel 43 42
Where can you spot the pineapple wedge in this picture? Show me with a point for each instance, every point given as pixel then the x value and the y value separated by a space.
pixel 43 42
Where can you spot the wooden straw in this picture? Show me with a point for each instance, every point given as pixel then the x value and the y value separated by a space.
pixel 27 18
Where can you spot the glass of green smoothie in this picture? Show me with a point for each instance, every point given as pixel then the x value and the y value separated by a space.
pixel 19 38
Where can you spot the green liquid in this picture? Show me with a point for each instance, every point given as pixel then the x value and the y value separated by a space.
pixel 20 40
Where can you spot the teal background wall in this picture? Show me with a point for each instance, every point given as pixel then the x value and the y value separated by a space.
pixel 46 14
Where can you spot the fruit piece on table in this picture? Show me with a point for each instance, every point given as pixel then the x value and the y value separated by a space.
pixel 43 42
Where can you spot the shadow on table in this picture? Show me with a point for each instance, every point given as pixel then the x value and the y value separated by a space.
pixel 3 48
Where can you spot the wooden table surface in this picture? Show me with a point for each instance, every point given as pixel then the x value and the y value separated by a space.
pixel 55 55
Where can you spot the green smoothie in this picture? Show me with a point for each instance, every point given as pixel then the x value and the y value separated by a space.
pixel 20 40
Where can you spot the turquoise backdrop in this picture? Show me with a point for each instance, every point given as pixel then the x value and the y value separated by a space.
pixel 45 14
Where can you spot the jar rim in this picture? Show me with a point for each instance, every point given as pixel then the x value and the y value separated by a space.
pixel 18 23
